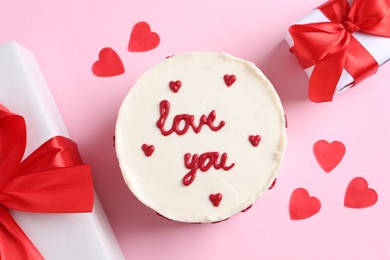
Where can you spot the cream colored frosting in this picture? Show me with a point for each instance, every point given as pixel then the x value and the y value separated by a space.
pixel 250 106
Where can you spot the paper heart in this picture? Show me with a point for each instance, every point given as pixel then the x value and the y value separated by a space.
pixel 148 149
pixel 175 85
pixel 358 195
pixel 142 38
pixel 229 79
pixel 302 205
pixel 109 64
pixel 255 140
pixel 215 199
pixel 328 155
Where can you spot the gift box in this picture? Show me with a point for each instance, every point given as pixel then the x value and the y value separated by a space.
pixel 340 43
pixel 24 91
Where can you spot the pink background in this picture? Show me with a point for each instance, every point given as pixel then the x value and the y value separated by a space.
pixel 66 37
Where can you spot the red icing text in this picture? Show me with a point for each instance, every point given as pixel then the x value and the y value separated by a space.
pixel 187 119
pixel 203 162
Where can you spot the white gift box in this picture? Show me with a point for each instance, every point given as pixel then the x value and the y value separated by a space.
pixel 24 91
pixel 377 46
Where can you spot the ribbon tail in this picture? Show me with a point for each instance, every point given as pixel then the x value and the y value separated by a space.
pixel 14 244
pixel 326 73
pixel 325 76
pixel 354 59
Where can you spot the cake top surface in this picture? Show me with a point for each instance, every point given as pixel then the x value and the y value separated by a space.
pixel 200 136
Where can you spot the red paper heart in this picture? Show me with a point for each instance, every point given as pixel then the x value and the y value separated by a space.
pixel 358 195
pixel 215 199
pixel 142 38
pixel 229 79
pixel 255 140
pixel 302 205
pixel 328 155
pixel 109 64
pixel 148 149
pixel 175 85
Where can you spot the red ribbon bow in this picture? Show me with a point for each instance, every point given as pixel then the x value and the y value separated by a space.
pixel 330 46
pixel 51 180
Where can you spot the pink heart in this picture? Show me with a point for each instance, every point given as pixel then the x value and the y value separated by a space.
pixel 142 38
pixel 109 64
pixel 215 199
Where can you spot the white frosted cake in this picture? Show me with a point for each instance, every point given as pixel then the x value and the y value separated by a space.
pixel 200 136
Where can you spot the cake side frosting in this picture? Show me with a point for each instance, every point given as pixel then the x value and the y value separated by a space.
pixel 200 136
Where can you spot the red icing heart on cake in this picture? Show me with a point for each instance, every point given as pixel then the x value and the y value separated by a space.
pixel 255 140
pixel 229 79
pixel 302 205
pixel 148 149
pixel 328 155
pixel 142 38
pixel 215 199
pixel 175 85
pixel 109 64
pixel 359 195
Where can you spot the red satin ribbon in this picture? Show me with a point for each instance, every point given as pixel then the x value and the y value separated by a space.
pixel 51 180
pixel 330 46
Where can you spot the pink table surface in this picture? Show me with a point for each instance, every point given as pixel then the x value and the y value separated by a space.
pixel 66 37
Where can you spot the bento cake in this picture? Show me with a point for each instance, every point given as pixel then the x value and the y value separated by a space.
pixel 200 136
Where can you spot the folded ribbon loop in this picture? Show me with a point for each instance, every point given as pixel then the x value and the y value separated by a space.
pixel 52 179
pixel 331 46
